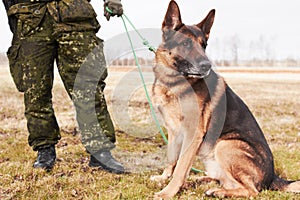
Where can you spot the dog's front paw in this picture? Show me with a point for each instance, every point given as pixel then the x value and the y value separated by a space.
pixel 157 197
pixel 168 192
pixel 161 195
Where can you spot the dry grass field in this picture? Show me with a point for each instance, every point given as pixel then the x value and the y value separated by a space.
pixel 273 97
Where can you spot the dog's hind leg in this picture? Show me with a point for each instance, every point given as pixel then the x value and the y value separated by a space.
pixel 233 188
pixel 238 174
pixel 238 192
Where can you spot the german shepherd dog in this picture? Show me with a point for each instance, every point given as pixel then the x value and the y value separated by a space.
pixel 205 118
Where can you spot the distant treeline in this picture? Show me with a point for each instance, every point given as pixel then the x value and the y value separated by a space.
pixel 289 62
pixel 222 63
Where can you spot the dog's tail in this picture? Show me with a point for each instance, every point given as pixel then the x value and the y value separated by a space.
pixel 284 185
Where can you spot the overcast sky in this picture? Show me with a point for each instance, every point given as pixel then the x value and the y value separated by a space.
pixel 276 21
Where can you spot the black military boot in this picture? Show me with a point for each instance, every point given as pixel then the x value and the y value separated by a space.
pixel 46 158
pixel 103 159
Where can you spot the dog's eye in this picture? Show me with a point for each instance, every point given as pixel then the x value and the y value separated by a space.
pixel 187 43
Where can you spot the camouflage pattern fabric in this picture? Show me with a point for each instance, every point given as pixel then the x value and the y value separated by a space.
pixel 39 41
pixel 75 10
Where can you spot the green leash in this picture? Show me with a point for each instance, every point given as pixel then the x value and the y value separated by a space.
pixel 151 48
pixel 145 42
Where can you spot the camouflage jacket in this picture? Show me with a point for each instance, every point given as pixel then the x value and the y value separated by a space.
pixel 70 15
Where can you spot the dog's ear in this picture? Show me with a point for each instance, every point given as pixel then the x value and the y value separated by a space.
pixel 207 23
pixel 173 18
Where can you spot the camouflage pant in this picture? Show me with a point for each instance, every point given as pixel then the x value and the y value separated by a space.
pixel 81 64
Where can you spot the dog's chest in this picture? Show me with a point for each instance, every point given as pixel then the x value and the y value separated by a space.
pixel 163 96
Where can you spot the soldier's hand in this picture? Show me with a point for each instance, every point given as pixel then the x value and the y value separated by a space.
pixel 114 6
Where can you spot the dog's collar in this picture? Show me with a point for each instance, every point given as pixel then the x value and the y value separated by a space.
pixel 199 76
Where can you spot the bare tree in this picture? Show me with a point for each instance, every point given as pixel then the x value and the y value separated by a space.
pixel 235 45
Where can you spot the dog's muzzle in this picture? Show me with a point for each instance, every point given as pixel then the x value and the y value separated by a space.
pixel 201 70
pixel 196 75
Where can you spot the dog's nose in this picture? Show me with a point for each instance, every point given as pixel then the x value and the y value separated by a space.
pixel 205 65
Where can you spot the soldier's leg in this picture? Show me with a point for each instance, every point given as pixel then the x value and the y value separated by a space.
pixel 103 115
pixel 41 122
pixel 31 62
pixel 83 70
